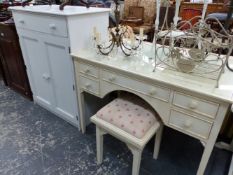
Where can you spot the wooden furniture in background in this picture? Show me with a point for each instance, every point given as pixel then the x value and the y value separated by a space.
pixel 148 16
pixel 135 16
pixel 170 16
pixel 14 70
pixel 1 74
pixel 4 15
pixel 211 8
pixel 188 14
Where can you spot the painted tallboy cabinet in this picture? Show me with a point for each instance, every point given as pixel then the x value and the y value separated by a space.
pixel 47 37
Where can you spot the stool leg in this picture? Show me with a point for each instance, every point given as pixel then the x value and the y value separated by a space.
pixel 137 153
pixel 158 138
pixel 136 162
pixel 99 145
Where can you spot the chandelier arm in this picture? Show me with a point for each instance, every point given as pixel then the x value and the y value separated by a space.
pixel 228 66
pixel 121 46
pixel 125 30
pixel 136 47
pixel 106 53
pixel 122 43
pixel 112 42
pixel 228 57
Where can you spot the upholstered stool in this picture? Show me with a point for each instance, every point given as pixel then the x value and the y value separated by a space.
pixel 130 120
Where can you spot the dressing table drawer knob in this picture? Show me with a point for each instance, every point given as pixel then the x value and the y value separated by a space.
pixel 152 91
pixel 193 104
pixel 187 124
pixel 52 26
pixel 112 78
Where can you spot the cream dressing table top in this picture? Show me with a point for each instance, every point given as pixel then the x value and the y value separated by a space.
pixel 142 66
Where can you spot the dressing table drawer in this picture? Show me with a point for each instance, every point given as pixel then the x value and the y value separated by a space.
pixel 88 70
pixel 153 91
pixel 197 105
pixel 190 124
pixel 89 85
pixel 49 24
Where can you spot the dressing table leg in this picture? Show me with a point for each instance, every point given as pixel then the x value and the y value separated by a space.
pixel 212 139
pixel 205 157
pixel 81 112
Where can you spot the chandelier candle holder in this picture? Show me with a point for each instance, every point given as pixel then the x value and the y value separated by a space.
pixel 119 37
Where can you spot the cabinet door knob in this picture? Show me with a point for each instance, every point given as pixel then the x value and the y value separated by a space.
pixel 152 91
pixel 112 78
pixel 88 85
pixel 187 123
pixel 52 26
pixel 87 71
pixel 21 21
pixel 2 34
pixel 193 104
pixel 46 76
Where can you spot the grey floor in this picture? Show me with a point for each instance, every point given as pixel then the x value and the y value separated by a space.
pixel 34 141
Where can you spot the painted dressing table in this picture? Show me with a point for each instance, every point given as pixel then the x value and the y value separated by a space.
pixel 191 105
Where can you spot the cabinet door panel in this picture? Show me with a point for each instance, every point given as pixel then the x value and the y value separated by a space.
pixel 39 74
pixel 61 70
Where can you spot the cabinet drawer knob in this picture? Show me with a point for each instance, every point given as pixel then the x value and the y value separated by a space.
pixel 187 123
pixel 152 91
pixel 112 78
pixel 87 71
pixel 46 76
pixel 2 34
pixel 52 26
pixel 88 85
pixel 193 104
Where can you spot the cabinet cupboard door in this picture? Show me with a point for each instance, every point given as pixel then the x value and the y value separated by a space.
pixel 51 73
pixel 62 73
pixel 37 68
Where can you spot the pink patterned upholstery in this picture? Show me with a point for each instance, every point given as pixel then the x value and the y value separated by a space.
pixel 129 113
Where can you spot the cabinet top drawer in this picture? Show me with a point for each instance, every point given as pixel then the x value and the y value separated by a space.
pixel 194 104
pixel 151 90
pixel 45 24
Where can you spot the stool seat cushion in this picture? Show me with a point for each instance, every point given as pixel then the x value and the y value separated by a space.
pixel 130 114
